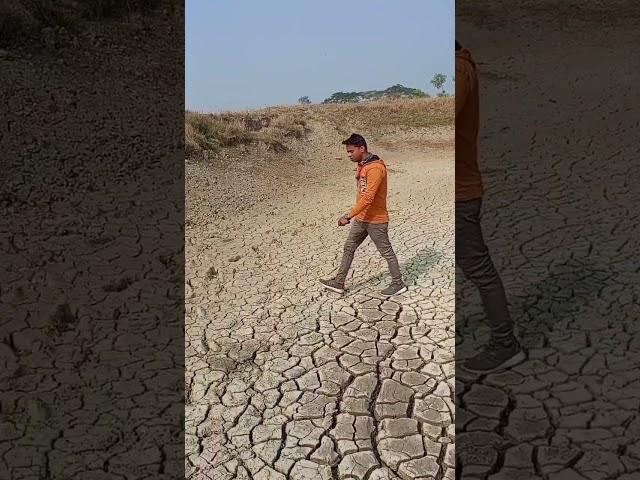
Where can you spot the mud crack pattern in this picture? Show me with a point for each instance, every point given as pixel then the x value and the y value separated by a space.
pixel 286 381
pixel 561 219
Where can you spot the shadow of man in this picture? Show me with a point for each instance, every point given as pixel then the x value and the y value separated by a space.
pixel 415 268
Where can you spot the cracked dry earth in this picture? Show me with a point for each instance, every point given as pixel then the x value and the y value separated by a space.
pixel 91 242
pixel 287 381
pixel 561 219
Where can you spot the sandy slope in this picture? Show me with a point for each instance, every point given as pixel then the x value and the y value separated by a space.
pixel 278 370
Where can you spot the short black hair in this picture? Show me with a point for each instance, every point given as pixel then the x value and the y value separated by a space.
pixel 356 140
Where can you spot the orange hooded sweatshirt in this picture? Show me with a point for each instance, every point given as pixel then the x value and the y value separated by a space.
pixel 468 177
pixel 371 200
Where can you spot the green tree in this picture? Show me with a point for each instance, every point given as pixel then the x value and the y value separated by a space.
pixel 304 100
pixel 343 97
pixel 438 82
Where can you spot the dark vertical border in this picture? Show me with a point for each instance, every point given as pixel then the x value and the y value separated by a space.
pixel 91 234
pixel 559 157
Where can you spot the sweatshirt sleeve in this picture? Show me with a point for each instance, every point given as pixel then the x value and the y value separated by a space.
pixel 373 181
pixel 464 83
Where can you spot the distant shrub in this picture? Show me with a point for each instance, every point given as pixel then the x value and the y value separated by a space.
pixel 394 92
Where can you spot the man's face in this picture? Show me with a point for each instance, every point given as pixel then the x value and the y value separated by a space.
pixel 355 153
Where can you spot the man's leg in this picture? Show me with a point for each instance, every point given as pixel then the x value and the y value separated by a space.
pixel 357 235
pixel 472 255
pixel 380 236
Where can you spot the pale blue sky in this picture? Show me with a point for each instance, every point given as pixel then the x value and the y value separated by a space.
pixel 249 53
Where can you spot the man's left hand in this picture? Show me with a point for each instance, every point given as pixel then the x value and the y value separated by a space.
pixel 342 222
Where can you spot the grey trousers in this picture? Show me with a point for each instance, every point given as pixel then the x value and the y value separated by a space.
pixel 472 255
pixel 379 234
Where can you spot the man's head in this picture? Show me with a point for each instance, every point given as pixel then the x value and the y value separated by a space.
pixel 356 147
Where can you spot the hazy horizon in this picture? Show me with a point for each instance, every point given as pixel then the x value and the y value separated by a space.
pixel 247 54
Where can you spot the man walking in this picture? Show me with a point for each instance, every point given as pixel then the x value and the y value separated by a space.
pixel 472 255
pixel 369 217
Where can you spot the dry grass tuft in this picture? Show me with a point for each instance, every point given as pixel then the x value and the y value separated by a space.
pixel 215 131
pixel 416 113
pixel 278 127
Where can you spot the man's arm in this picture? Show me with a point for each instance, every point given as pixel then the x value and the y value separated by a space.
pixel 374 179
pixel 464 77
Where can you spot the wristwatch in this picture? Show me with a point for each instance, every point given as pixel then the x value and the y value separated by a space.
pixel 346 217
